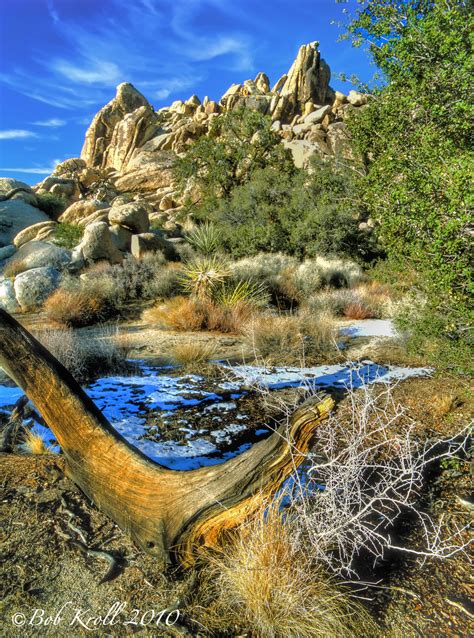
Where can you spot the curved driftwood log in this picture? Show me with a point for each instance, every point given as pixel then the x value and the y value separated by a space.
pixel 166 512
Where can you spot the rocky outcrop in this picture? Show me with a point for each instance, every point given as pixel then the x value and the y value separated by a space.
pixel 24 191
pixel 34 286
pixel 133 216
pixel 97 150
pixel 38 254
pixel 8 300
pixel 80 210
pixel 43 230
pixel 98 244
pixel 15 215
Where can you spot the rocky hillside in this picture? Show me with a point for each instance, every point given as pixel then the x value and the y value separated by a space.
pixel 122 185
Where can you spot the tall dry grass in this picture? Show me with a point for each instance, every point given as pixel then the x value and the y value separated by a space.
pixel 263 582
pixel 292 338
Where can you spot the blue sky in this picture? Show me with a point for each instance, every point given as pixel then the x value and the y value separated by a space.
pixel 60 61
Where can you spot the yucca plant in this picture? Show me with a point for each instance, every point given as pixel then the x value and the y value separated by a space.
pixel 202 275
pixel 230 295
pixel 205 239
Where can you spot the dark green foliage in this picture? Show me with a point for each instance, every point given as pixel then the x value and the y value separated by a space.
pixel 68 235
pixel 415 140
pixel 51 204
pixel 238 144
pixel 303 213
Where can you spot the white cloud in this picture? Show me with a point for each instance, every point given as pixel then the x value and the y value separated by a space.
pixel 54 122
pixel 34 170
pixel 16 134
pixel 104 73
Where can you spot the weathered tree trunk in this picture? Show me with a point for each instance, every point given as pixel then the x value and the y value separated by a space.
pixel 167 512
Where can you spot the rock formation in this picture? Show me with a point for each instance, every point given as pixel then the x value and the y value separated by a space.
pixel 123 182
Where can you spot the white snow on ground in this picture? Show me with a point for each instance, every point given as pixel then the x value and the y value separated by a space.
pixel 369 328
pixel 126 401
pixel 346 376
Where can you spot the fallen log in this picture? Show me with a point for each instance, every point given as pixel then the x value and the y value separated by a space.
pixel 168 513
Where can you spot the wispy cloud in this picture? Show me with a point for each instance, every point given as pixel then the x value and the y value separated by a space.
pixel 53 122
pixel 159 46
pixel 16 134
pixel 52 12
pixel 34 170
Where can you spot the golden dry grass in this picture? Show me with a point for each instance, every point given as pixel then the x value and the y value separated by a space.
pixel 292 338
pixel 35 444
pixel 263 582
pixel 191 314
pixel 75 308
pixel 192 353
pixel 15 267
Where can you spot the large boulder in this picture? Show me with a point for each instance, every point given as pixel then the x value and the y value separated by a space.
pixel 80 210
pixel 39 254
pixel 150 243
pixel 97 244
pixel 307 81
pixel 100 133
pixel 34 286
pixel 122 237
pixel 302 151
pixel 148 170
pixel 133 216
pixel 6 252
pixel 8 184
pixel 15 215
pixel 39 231
pixel 8 300
pixel 338 141
pixel 131 133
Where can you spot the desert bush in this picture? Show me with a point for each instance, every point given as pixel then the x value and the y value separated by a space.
pixel 367 470
pixel 362 302
pixel 68 235
pixel 263 581
pixel 51 204
pixel 230 294
pixel 165 284
pixel 293 338
pixel 205 239
pixel 192 353
pixel 85 354
pixel 77 307
pixel 192 314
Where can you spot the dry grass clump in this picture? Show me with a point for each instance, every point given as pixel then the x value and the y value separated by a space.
pixel 191 353
pixel 192 314
pixel 367 301
pixel 263 582
pixel 35 443
pixel 15 267
pixel 291 282
pixel 86 355
pixel 294 338
pixel 77 308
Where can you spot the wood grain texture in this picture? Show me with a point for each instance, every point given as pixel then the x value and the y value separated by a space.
pixel 168 513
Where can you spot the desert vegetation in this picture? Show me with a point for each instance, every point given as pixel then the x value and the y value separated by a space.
pixel 295 336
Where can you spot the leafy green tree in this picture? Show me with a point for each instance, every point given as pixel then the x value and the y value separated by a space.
pixel 414 137
pixel 303 213
pixel 239 143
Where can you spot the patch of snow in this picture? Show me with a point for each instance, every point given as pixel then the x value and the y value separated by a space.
pixel 369 328
pixel 224 435
pixel 223 405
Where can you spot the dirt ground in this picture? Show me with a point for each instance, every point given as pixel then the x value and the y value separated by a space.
pixel 52 587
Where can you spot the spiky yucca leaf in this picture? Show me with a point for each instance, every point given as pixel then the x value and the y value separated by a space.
pixel 202 275
pixel 205 239
pixel 242 292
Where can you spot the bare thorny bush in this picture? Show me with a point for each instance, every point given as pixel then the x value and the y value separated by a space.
pixel 365 472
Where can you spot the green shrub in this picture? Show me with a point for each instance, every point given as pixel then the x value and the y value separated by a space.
pixel 51 204
pixel 68 235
